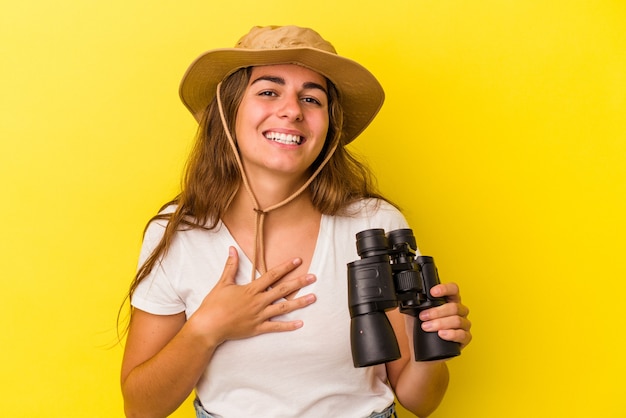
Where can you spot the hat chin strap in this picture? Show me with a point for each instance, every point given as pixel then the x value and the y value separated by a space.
pixel 259 249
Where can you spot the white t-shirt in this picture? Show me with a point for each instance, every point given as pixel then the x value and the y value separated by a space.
pixel 304 373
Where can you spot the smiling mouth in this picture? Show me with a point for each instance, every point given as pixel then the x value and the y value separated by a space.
pixel 282 138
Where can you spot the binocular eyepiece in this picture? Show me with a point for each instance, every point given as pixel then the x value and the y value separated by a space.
pixel 387 276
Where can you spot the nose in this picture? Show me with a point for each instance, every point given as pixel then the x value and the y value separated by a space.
pixel 291 108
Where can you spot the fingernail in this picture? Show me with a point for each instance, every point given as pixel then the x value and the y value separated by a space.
pixel 232 251
pixel 427 326
pixel 310 298
pixel 297 261
pixel 424 316
pixel 310 278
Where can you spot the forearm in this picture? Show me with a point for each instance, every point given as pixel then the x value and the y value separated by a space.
pixel 421 386
pixel 161 384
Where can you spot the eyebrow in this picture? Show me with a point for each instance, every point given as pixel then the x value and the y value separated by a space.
pixel 281 81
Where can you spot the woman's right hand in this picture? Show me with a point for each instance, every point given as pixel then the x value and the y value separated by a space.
pixel 231 311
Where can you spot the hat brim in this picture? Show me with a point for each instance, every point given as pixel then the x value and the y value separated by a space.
pixel 360 93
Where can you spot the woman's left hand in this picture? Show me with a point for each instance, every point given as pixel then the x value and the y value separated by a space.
pixel 450 319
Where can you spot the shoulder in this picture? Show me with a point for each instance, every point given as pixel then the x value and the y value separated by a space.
pixel 177 225
pixel 157 224
pixel 372 207
pixel 373 213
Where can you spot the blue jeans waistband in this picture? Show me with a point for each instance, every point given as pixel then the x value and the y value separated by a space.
pixel 390 411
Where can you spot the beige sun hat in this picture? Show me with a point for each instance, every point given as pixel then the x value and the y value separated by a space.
pixel 360 94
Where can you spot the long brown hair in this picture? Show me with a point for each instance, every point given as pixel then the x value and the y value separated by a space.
pixel 212 176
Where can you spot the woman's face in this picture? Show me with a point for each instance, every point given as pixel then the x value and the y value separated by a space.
pixel 282 120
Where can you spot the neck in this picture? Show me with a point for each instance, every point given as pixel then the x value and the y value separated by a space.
pixel 272 190
pixel 267 195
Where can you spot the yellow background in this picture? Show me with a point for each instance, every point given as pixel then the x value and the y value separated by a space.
pixel 503 137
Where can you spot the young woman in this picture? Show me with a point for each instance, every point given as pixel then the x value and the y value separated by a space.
pixel 241 292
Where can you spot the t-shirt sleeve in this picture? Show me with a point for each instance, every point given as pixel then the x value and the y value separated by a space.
pixel 156 293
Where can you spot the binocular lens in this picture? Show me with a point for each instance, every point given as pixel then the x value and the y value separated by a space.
pixel 373 340
pixel 371 242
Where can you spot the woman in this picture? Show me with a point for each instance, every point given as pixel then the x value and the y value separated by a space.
pixel 271 189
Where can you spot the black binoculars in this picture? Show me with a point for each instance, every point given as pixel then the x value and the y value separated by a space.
pixel 387 276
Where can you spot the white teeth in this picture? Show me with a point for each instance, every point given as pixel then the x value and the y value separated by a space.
pixel 287 139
